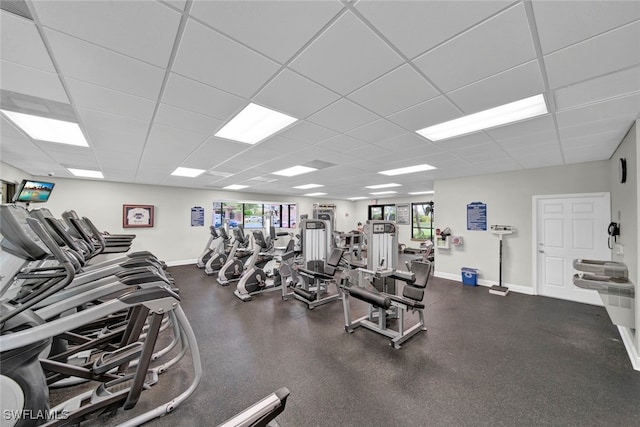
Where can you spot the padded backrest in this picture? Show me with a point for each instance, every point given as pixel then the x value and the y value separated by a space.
pixel 421 269
pixel 290 246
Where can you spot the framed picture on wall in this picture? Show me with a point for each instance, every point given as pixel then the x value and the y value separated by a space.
pixel 137 216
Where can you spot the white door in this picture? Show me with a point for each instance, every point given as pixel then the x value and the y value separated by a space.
pixel 569 227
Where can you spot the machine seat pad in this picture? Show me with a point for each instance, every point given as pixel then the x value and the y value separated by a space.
pixel 379 300
pixel 413 292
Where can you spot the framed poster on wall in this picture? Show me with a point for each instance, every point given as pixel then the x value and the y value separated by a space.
pixel 403 214
pixel 134 216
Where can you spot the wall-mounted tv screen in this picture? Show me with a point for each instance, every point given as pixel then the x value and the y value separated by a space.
pixel 33 191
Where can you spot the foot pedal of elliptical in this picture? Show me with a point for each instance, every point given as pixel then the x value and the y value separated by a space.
pixel 112 359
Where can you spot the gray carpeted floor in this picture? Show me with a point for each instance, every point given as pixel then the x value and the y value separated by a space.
pixel 485 360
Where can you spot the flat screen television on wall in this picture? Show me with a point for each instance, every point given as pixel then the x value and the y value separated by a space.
pixel 30 191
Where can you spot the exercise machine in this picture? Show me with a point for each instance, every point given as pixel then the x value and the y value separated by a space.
pixel 220 255
pixel 233 269
pixel 320 263
pixel 384 307
pixel 255 280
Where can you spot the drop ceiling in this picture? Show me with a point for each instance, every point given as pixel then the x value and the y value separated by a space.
pixel 151 82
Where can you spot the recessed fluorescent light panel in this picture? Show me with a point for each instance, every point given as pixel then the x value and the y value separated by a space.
pixel 504 114
pixel 253 124
pixel 235 187
pixel 415 193
pixel 408 169
pixel 316 194
pixel 50 130
pixel 308 186
pixel 357 198
pixel 188 172
pixel 375 187
pixel 86 173
pixel 383 192
pixel 295 170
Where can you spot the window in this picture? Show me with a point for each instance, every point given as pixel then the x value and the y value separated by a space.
pixel 251 215
pixel 422 221
pixel 382 212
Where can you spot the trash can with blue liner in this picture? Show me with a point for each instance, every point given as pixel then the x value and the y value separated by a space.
pixel 469 276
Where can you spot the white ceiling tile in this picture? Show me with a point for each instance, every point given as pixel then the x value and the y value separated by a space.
pixel 186 120
pixel 278 144
pixel 498 44
pixel 343 143
pixel 69 156
pixel 414 26
pixel 231 66
pixel 178 4
pixel 110 101
pixel 606 53
pixel 308 132
pixel 525 127
pixel 342 116
pixel 613 125
pixel 466 142
pixel 535 140
pixel 111 132
pixel 598 89
pixel 626 106
pixel 428 113
pixel 562 23
pixel 603 142
pixel 194 96
pixel 86 62
pixel 346 56
pixel 485 154
pixel 31 81
pixel 377 131
pixel 114 25
pixel 395 91
pixel 508 86
pixel 278 29
pixel 20 42
pixel 294 95
pixel 372 152
pixel 168 147
pixel 410 143
pixel 214 151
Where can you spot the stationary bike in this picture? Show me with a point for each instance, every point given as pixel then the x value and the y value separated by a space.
pixel 234 267
pixel 218 258
pixel 255 280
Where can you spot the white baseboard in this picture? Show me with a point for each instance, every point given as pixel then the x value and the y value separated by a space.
pixel 528 290
pixel 629 344
pixel 181 262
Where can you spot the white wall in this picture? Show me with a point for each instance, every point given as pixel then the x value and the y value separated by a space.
pixel 172 238
pixel 625 206
pixel 509 202
pixel 10 174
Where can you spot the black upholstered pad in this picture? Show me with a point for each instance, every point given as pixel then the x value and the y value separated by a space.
pixel 374 298
pixel 422 270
